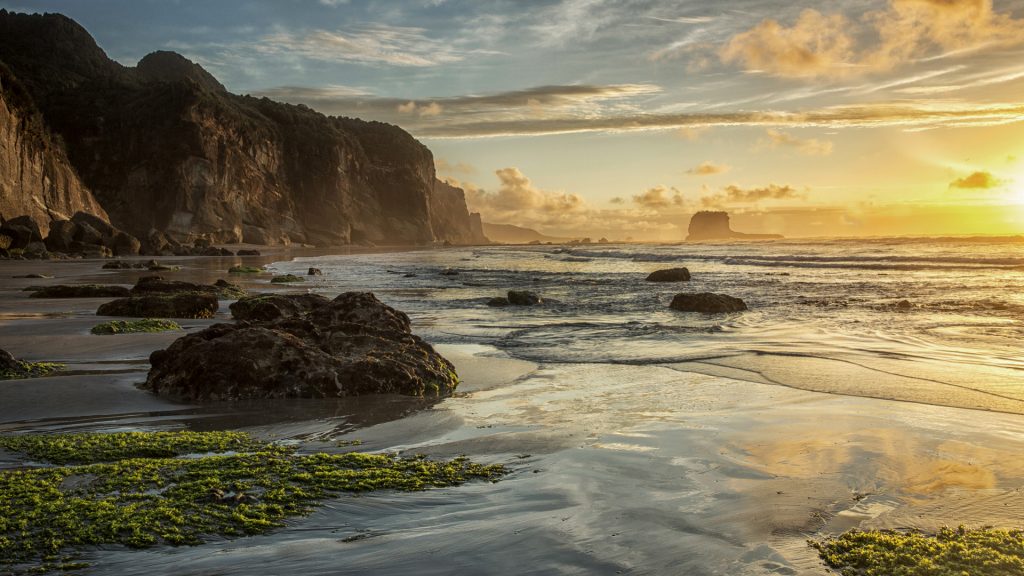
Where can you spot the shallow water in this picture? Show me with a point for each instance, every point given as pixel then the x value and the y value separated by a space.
pixel 641 440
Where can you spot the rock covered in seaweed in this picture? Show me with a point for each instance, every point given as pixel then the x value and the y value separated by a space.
pixel 302 346
pixel 170 305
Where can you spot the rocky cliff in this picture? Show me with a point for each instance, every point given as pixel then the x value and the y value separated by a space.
pixel 163 146
pixel 451 219
pixel 36 177
pixel 707 225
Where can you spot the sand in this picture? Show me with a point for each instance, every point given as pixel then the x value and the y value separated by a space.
pixel 617 469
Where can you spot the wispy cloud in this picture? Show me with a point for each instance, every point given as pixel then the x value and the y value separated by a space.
pixel 375 44
pixel 734 195
pixel 659 197
pixel 809 146
pixel 708 168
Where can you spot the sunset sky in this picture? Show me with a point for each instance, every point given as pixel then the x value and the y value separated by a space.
pixel 621 118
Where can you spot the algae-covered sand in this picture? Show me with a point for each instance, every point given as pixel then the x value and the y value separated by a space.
pixel 142 489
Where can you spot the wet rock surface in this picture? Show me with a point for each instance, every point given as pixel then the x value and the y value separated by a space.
pixel 307 347
pixel 707 302
pixel 669 275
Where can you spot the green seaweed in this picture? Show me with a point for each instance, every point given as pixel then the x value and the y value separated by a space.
pixel 245 270
pixel 134 326
pixel 287 278
pixel 128 490
pixel 951 552
pixel 30 370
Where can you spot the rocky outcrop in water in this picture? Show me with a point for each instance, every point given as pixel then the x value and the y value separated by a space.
pixel 351 345
pixel 669 275
pixel 708 225
pixel 165 149
pixel 707 302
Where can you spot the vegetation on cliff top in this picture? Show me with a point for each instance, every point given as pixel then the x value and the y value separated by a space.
pixel 130 489
pixel 951 552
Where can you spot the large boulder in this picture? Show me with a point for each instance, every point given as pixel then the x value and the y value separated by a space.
pixel 124 244
pixel 80 291
pixel 22 231
pixel 61 236
pixel 150 285
pixel 173 305
pixel 267 307
pixel 308 347
pixel 707 302
pixel 669 275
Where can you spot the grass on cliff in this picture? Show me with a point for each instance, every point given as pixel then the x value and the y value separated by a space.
pixel 131 489
pixel 134 326
pixel 951 552
pixel 30 370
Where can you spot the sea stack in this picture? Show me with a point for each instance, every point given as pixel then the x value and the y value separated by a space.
pixel 712 225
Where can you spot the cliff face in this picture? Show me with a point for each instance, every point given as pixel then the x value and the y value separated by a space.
pixel 450 217
pixel 706 225
pixel 36 177
pixel 164 146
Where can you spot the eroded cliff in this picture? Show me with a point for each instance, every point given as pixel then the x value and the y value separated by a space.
pixel 36 177
pixel 451 219
pixel 163 146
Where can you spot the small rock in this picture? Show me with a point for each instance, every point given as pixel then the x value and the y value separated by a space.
pixel 707 302
pixel 669 275
pixel 498 301
pixel 449 272
pixel 523 298
pixel 315 272
pixel 248 253
pixel 80 291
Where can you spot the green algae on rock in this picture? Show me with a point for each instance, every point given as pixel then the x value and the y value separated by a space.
pixel 135 326
pixel 951 552
pixel 127 490
pixel 287 278
pixel 25 369
pixel 245 270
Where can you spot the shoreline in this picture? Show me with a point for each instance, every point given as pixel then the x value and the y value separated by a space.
pixel 633 468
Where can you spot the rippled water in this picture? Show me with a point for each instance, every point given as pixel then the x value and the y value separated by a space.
pixel 823 315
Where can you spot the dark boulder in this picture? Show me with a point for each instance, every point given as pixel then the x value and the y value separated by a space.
pixel 669 275
pixel 80 291
pixel 245 252
pixel 498 301
pixel 315 272
pixel 62 235
pixel 22 231
pixel 449 272
pixel 124 244
pixel 117 265
pixel 267 307
pixel 351 345
pixel 523 298
pixel 707 302
pixel 173 305
pixel 148 285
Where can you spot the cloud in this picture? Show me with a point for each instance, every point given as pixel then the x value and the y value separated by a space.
pixel 808 146
pixel 815 45
pixel 376 44
pixel 976 181
pixel 832 45
pixel 431 109
pixel 613 108
pixel 734 195
pixel 617 200
pixel 692 133
pixel 518 200
pixel 443 166
pixel 659 197
pixel 708 168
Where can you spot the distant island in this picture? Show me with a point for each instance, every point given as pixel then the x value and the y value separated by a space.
pixel 511 234
pixel 714 225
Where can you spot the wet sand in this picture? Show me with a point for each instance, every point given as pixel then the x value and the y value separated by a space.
pixel 615 468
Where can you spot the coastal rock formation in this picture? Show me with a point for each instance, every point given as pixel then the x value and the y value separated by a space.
pixel 708 225
pixel 669 275
pixel 36 178
pixel 267 307
pixel 80 291
pixel 165 149
pixel 450 218
pixel 351 345
pixel 173 305
pixel 150 285
pixel 707 302
pixel 511 234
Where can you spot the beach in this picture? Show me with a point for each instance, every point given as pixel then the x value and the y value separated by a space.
pixel 640 440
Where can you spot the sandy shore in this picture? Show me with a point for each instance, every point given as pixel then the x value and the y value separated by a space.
pixel 616 468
